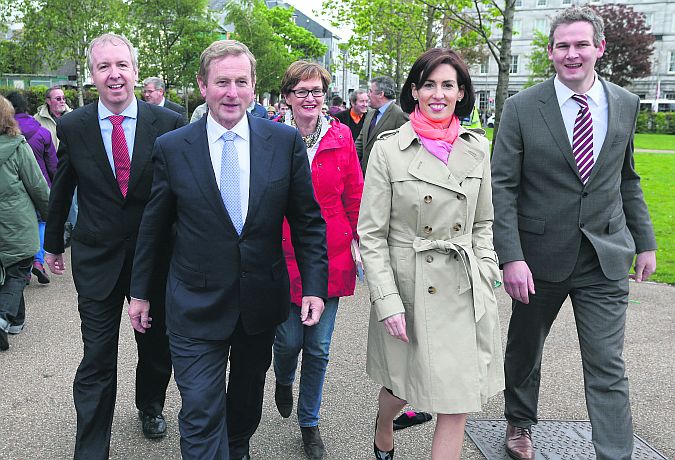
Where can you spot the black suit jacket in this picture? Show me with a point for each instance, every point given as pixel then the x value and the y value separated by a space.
pixel 104 238
pixel 175 107
pixel 217 277
pixel 346 118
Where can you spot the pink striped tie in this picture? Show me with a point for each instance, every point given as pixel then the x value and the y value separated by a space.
pixel 582 138
pixel 120 153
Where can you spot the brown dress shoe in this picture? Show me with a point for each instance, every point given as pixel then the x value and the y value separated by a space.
pixel 519 442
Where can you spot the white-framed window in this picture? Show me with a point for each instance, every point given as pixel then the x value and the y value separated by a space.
pixel 566 2
pixel 519 3
pixel 541 25
pixel 513 68
pixel 542 2
pixel 484 66
pixel 517 26
pixel 649 20
pixel 671 62
pixel 483 100
pixel 669 95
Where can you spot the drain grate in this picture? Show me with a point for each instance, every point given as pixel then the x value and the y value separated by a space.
pixel 553 440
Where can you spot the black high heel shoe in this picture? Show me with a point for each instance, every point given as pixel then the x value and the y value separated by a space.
pixel 381 454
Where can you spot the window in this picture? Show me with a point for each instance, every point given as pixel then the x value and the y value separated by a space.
pixel 671 62
pixel 541 25
pixel 649 20
pixel 517 26
pixel 511 93
pixel 483 101
pixel 513 69
pixel 519 3
pixel 484 66
pixel 669 96
pixel 542 2
pixel 566 2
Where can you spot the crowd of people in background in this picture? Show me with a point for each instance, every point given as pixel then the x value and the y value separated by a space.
pixel 291 198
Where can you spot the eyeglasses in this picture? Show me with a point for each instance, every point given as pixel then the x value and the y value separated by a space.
pixel 303 93
pixel 58 98
pixel 149 91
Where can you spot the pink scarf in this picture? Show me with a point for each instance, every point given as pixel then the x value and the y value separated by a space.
pixel 436 136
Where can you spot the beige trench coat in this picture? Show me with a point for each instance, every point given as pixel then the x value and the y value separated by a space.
pixel 426 243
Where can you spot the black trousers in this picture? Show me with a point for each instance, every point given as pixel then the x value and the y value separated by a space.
pixel 599 306
pixel 95 385
pixel 216 419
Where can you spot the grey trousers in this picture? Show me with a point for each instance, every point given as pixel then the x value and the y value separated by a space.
pixel 599 306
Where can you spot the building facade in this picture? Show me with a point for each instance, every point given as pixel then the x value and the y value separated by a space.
pixel 533 15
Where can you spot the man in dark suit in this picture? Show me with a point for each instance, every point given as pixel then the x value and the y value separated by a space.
pixel 570 217
pixel 153 93
pixel 105 151
pixel 356 114
pixel 385 116
pixel 226 182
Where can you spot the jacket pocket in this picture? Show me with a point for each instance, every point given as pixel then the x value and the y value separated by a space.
pixel 189 276
pixel 531 224
pixel 616 223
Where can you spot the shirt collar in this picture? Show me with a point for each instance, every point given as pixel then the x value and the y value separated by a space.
pixel 563 93
pixel 130 112
pixel 384 107
pixel 161 104
pixel 215 130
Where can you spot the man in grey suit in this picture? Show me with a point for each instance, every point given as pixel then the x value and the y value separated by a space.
pixel 569 218
pixel 386 116
pixel 153 93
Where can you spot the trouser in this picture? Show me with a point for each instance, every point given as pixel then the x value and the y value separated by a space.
pixel 292 337
pixel 12 304
pixel 599 306
pixel 95 385
pixel 217 419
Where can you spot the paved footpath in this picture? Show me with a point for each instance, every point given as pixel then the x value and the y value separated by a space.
pixel 38 418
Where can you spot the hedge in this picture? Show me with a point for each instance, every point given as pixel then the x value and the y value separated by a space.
pixel 656 122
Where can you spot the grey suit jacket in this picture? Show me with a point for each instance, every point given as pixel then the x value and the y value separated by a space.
pixel 392 118
pixel 542 208
pixel 176 108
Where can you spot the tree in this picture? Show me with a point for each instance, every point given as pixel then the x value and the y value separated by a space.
pixel 630 44
pixel 273 39
pixel 627 54
pixel 15 58
pixel 171 37
pixel 60 30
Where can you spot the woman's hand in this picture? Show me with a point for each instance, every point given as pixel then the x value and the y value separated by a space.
pixel 395 327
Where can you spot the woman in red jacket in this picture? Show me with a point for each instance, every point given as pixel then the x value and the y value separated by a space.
pixel 338 184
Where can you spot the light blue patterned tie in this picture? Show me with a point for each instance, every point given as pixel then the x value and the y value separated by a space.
pixel 229 180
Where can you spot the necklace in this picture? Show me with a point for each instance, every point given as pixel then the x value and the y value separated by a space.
pixel 312 137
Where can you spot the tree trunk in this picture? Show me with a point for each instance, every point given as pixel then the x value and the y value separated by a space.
pixel 431 12
pixel 78 77
pixel 504 64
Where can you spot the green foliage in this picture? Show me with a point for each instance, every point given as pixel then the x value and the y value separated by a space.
pixel 273 39
pixel 35 96
pixel 656 173
pixel 539 65
pixel 17 58
pixel 656 122
pixel 170 38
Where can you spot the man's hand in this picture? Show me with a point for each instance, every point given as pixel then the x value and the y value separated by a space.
pixel 518 281
pixel 56 264
pixel 395 327
pixel 645 265
pixel 311 310
pixel 139 311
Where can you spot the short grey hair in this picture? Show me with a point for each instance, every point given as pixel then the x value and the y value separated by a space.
pixel 355 94
pixel 577 14
pixel 385 85
pixel 220 49
pixel 157 82
pixel 51 89
pixel 113 39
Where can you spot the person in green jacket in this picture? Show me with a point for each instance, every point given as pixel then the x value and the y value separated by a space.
pixel 23 190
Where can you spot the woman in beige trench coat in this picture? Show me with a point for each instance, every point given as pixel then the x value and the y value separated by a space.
pixel 426 240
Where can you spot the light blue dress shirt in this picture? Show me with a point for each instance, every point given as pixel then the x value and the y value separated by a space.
pixel 129 126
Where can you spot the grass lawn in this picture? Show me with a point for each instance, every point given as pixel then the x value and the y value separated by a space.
pixel 657 172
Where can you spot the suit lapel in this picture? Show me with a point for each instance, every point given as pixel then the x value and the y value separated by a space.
pixel 550 112
pixel 146 133
pixel 93 141
pixel 380 123
pixel 262 152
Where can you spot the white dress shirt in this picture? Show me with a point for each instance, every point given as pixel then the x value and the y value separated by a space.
pixel 242 143
pixel 597 103
pixel 128 125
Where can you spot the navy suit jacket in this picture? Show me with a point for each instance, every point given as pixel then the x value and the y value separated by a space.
pixel 217 277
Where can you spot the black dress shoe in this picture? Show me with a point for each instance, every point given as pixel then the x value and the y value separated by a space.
pixel 39 271
pixel 312 442
pixel 283 397
pixel 154 426
pixel 410 418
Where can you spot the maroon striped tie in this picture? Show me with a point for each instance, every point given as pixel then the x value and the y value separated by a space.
pixel 582 138
pixel 120 153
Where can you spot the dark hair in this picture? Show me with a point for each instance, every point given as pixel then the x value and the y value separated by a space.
pixel 425 65
pixel 337 100
pixel 18 102
pixel 300 71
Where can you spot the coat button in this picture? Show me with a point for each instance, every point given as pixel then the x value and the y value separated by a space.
pixel 585 194
pixel 427 199
pixel 431 290
pixel 429 259
pixel 460 197
pixel 243 274
pixel 581 225
pixel 427 229
pixel 457 227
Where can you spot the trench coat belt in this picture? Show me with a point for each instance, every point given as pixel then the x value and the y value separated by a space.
pixel 462 246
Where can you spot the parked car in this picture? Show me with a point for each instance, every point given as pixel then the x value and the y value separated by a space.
pixel 490 122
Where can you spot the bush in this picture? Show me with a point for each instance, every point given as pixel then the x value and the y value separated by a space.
pixel 656 122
